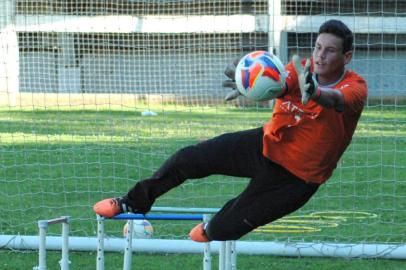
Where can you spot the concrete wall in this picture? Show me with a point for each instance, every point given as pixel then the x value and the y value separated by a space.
pixel 197 74
pixel 385 72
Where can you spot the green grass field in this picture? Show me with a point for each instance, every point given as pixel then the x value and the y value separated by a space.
pixel 86 260
pixel 59 161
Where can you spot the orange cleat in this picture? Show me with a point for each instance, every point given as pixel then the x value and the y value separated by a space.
pixel 198 234
pixel 108 207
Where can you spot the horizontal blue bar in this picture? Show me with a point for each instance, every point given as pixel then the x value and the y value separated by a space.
pixel 160 216
pixel 193 210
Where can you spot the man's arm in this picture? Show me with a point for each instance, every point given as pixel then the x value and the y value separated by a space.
pixel 309 88
pixel 329 98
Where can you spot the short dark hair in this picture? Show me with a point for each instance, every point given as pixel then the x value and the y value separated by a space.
pixel 339 29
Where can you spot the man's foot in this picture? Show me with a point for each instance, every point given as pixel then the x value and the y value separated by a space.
pixel 198 233
pixel 109 207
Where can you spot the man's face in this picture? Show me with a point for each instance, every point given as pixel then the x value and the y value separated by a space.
pixel 328 58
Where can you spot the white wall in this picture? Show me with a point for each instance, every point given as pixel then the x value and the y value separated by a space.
pixel 197 74
pixel 385 72
pixel 38 72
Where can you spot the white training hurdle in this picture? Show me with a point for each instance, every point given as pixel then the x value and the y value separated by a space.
pixel 42 227
pixel 227 250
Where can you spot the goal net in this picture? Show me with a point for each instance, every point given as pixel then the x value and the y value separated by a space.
pixel 95 95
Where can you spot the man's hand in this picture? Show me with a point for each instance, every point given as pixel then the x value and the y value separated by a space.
pixel 230 73
pixel 308 85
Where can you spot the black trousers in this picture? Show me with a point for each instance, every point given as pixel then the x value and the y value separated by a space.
pixel 272 192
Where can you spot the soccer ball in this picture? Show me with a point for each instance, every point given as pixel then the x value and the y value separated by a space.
pixel 260 76
pixel 141 229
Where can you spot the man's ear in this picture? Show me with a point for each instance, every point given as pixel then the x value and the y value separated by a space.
pixel 347 57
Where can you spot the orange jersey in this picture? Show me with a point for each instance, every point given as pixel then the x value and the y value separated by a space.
pixel 308 140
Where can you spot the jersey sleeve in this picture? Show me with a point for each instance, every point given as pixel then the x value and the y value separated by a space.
pixel 291 79
pixel 355 94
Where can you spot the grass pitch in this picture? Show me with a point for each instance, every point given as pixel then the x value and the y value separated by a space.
pixel 59 161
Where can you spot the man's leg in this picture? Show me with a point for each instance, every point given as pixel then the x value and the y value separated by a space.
pixel 232 154
pixel 268 197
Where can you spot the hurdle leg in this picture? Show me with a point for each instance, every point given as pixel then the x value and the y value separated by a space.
pixel 206 251
pixel 100 243
pixel 128 246
pixel 42 227
pixel 222 255
pixel 233 255
pixel 228 256
pixel 64 262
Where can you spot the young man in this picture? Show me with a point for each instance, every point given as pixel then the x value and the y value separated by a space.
pixel 287 159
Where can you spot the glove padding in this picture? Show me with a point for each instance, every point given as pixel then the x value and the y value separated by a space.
pixel 308 85
pixel 230 73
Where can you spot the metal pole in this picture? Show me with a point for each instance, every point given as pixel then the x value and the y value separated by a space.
pixel 233 255
pixel 128 216
pixel 42 226
pixel 127 246
pixel 100 243
pixel 222 252
pixel 228 256
pixel 206 252
pixel 185 210
pixel 65 244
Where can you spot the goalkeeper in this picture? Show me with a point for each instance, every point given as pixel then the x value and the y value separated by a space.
pixel 287 159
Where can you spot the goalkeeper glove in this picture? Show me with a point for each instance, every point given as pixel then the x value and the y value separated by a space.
pixel 230 73
pixel 308 85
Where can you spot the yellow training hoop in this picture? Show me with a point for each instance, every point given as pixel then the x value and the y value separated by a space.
pixel 317 220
